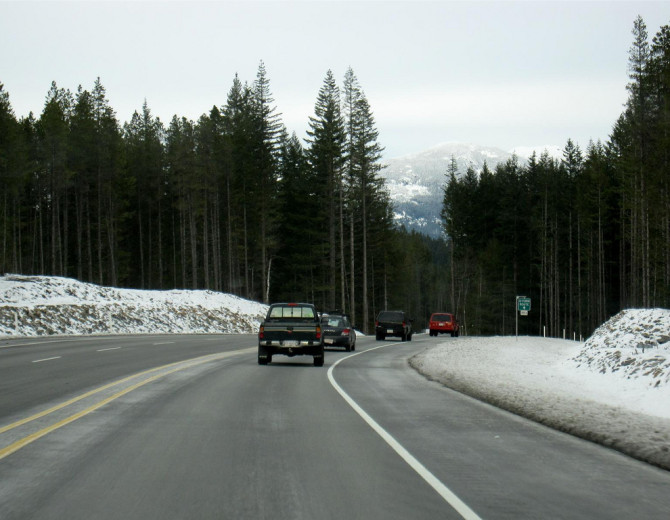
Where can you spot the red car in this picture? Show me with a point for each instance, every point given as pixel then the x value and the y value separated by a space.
pixel 443 322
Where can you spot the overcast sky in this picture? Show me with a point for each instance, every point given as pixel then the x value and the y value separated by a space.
pixel 505 74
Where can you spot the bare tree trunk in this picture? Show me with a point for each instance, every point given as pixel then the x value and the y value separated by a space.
pixel 3 264
pixel 66 227
pixel 160 242
pixel 366 300
pixel 342 256
pixel 89 241
pixel 453 279
pixel 579 276
pixel 570 306
pixel 352 276
pixel 229 237
pixel 246 257
pixel 194 242
pixel 205 244
pixel 332 282
pixel 141 241
pixel 99 230
pixel 182 236
pixel 216 242
pixel 264 260
pixel 111 239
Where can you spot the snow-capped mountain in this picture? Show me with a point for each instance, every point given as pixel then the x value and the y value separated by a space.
pixel 415 181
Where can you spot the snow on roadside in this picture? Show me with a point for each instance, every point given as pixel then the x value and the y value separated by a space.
pixel 45 305
pixel 606 390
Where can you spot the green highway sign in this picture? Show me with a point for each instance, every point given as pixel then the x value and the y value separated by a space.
pixel 522 304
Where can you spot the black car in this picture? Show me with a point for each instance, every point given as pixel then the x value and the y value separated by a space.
pixel 337 331
pixel 393 323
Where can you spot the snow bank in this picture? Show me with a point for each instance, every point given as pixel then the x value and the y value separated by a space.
pixel 610 390
pixel 635 343
pixel 43 305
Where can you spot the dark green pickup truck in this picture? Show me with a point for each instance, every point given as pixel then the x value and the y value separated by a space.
pixel 291 329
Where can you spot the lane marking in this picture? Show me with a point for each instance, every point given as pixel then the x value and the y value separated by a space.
pixel 165 343
pixel 50 341
pixel 106 349
pixel 46 359
pixel 449 496
pixel 184 364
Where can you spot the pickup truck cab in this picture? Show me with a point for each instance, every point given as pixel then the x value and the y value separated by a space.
pixel 291 329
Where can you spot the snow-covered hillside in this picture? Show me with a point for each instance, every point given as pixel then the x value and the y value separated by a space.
pixel 613 389
pixel 415 181
pixel 42 305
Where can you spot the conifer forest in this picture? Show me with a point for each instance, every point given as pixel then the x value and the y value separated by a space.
pixel 235 202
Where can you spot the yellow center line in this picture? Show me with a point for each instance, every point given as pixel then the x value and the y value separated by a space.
pixel 33 437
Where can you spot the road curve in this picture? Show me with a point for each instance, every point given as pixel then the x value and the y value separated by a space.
pixel 221 437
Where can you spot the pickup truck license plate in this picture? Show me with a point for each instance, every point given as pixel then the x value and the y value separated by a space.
pixel 389 331
pixel 291 343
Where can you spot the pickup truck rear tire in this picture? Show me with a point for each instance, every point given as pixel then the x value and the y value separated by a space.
pixel 263 357
pixel 318 360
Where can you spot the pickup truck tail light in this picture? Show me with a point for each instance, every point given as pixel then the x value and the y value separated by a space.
pixel 318 332
pixel 260 333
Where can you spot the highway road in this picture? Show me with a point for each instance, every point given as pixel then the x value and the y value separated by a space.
pixel 175 427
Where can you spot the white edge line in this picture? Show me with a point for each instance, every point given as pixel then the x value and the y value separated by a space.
pixel 448 495
pixel 106 349
pixel 46 359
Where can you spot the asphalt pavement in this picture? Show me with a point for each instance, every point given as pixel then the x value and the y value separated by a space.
pixel 192 427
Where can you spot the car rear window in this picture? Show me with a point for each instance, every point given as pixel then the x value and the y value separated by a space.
pixel 292 311
pixel 392 316
pixel 441 317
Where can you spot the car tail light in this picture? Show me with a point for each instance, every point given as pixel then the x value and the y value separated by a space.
pixel 345 332
pixel 376 324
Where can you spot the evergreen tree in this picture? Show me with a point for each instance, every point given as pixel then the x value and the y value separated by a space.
pixel 297 261
pixel 367 198
pixel 108 178
pixel 268 128
pixel 239 127
pixel 325 154
pixel 12 182
pixel 352 94
pixel 182 176
pixel 145 199
pixel 51 183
